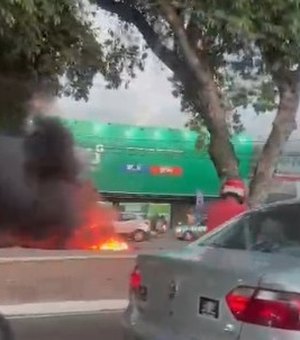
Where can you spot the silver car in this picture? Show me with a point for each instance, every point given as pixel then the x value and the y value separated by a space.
pixel 241 281
pixel 133 226
pixel 189 232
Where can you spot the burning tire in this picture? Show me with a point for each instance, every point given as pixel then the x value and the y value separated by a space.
pixel 5 329
pixel 139 235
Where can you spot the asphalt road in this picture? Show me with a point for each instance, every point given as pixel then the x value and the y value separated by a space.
pixel 155 244
pixel 99 326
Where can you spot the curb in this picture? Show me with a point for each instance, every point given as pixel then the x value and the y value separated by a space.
pixel 64 257
pixel 61 308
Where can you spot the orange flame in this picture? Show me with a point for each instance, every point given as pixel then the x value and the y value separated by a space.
pixel 97 231
pixel 112 244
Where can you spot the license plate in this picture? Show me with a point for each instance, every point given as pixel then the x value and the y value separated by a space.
pixel 209 307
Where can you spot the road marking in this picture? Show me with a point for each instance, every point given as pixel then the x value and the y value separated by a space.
pixel 62 308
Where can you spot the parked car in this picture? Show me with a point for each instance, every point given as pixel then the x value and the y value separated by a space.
pixel 189 232
pixel 238 282
pixel 133 225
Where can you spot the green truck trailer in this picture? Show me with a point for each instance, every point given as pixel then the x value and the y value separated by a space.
pixel 131 161
pixel 146 162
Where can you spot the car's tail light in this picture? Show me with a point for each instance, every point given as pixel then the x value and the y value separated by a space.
pixel 135 279
pixel 265 307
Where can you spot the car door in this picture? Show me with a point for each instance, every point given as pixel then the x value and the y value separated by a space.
pixel 126 223
pixel 219 264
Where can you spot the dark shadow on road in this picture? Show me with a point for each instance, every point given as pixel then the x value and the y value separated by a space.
pixel 106 326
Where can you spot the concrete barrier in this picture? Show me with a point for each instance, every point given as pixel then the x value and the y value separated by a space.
pixel 34 280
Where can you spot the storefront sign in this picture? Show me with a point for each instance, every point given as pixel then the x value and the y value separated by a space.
pixel 166 171
pixel 135 168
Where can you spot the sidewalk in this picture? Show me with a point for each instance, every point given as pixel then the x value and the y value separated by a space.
pixel 33 280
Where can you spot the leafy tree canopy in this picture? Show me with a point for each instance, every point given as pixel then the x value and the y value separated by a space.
pixel 51 47
pixel 225 55
pixel 245 43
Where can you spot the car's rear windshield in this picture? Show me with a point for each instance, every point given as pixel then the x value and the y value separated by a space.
pixel 131 216
pixel 272 229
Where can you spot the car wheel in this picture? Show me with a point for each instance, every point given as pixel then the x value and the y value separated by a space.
pixel 5 329
pixel 188 236
pixel 139 236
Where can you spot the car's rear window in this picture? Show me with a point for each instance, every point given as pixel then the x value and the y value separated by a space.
pixel 272 229
pixel 130 217
pixel 127 217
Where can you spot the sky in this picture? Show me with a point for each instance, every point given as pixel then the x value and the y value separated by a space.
pixel 147 102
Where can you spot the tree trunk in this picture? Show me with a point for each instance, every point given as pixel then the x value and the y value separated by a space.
pixel 222 154
pixel 209 101
pixel 220 148
pixel 284 124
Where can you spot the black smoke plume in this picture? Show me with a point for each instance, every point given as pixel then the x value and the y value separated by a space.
pixel 39 182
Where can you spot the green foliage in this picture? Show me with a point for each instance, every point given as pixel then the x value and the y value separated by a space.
pixel 49 48
pixel 46 39
pixel 258 41
pixel 249 45
pixel 42 41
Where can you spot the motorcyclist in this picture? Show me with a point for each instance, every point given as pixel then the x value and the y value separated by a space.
pixel 233 195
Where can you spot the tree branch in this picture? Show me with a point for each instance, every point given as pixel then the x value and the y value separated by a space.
pixel 190 54
pixel 283 126
pixel 128 13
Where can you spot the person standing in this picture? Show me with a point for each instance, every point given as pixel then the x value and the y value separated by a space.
pixel 232 202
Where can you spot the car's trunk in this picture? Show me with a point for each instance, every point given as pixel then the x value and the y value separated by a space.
pixel 186 290
pixel 246 270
